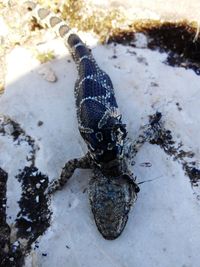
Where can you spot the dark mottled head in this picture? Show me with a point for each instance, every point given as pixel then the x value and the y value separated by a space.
pixel 111 199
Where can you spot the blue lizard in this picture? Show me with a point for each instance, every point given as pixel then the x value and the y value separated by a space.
pixel 112 189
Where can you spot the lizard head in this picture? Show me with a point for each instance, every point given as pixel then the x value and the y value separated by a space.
pixel 111 199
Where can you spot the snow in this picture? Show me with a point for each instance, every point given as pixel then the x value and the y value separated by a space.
pixel 163 228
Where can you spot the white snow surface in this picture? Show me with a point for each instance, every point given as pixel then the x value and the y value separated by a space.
pixel 163 229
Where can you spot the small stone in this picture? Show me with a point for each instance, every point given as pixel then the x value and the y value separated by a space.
pixel 40 123
pixel 48 74
pixel 44 254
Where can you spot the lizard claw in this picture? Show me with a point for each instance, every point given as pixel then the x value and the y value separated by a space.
pixel 53 186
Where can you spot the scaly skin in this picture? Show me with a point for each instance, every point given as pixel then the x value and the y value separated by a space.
pixel 112 189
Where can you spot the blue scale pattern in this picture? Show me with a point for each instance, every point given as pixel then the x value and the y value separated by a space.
pixel 94 97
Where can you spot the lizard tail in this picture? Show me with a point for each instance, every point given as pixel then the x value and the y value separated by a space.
pixel 76 46
pixel 47 18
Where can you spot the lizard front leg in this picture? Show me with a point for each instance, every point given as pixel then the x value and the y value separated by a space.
pixel 67 172
pixel 147 133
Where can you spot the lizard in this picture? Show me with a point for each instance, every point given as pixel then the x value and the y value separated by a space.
pixel 112 189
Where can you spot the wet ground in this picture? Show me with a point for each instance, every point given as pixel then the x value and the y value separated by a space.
pixel 180 40
pixel 34 216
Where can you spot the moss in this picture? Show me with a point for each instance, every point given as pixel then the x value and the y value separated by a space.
pixel 1 88
pixel 98 20
pixel 45 56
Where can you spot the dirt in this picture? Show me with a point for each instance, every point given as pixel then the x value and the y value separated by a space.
pixel 179 39
pixel 34 216
pixel 175 150
pixel 33 219
pixel 4 227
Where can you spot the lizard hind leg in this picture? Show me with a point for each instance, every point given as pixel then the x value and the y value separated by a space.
pixel 67 172
pixel 147 133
